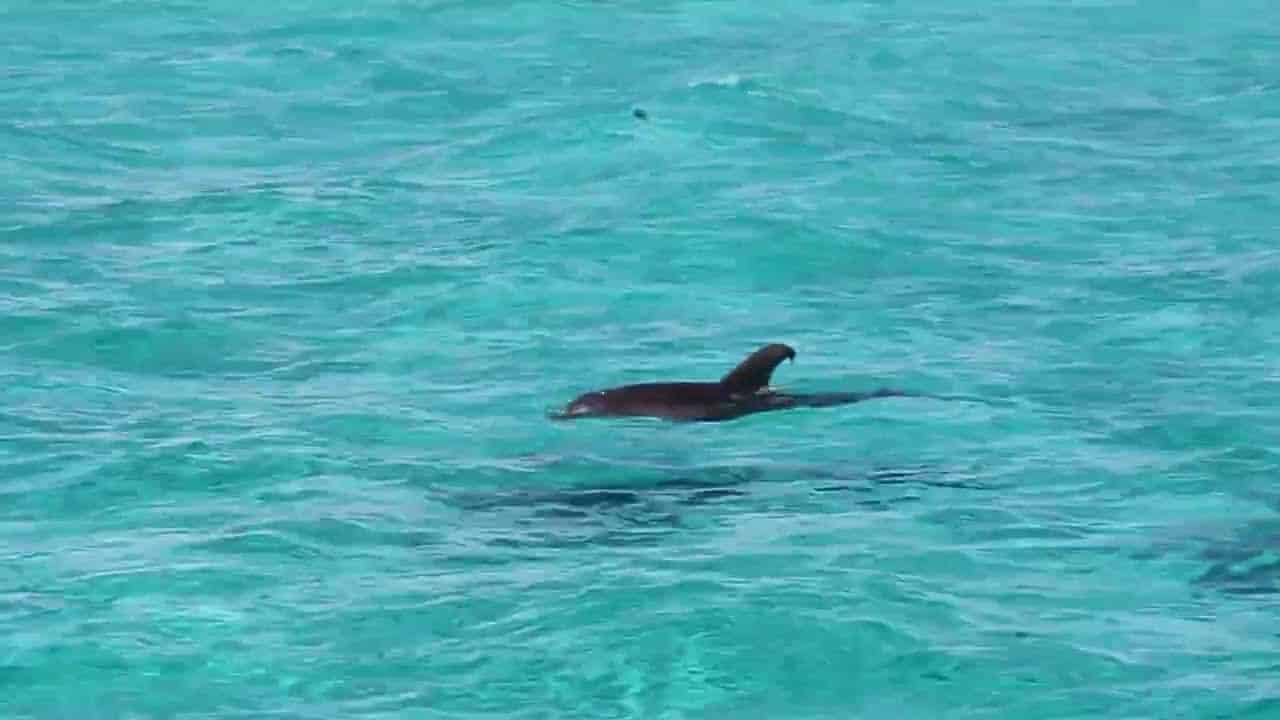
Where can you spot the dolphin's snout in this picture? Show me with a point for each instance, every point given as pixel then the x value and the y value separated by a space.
pixel 587 404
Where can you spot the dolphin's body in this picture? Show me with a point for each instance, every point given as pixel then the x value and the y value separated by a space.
pixel 743 391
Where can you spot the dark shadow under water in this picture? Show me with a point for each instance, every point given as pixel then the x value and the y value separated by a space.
pixel 1247 563
pixel 634 507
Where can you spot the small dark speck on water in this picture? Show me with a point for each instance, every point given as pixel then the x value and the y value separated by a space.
pixel 640 114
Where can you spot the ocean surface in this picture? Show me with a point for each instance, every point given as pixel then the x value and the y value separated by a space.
pixel 287 290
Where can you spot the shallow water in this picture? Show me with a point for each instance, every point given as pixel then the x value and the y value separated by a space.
pixel 286 290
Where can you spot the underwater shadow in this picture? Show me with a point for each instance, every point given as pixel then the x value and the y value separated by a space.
pixel 647 505
pixel 1246 564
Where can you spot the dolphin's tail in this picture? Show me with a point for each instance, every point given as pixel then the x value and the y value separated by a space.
pixel 818 400
pixel 848 398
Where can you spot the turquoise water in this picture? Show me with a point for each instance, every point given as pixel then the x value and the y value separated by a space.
pixel 287 288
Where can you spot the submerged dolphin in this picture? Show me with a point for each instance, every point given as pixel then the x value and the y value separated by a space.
pixel 743 391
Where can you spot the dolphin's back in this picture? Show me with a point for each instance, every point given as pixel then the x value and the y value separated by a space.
pixel 681 400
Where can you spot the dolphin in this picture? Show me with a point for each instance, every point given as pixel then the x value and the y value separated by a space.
pixel 743 391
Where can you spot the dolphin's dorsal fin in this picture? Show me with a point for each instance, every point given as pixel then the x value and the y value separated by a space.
pixel 754 372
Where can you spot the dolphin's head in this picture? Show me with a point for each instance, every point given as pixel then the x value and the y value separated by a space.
pixel 585 405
